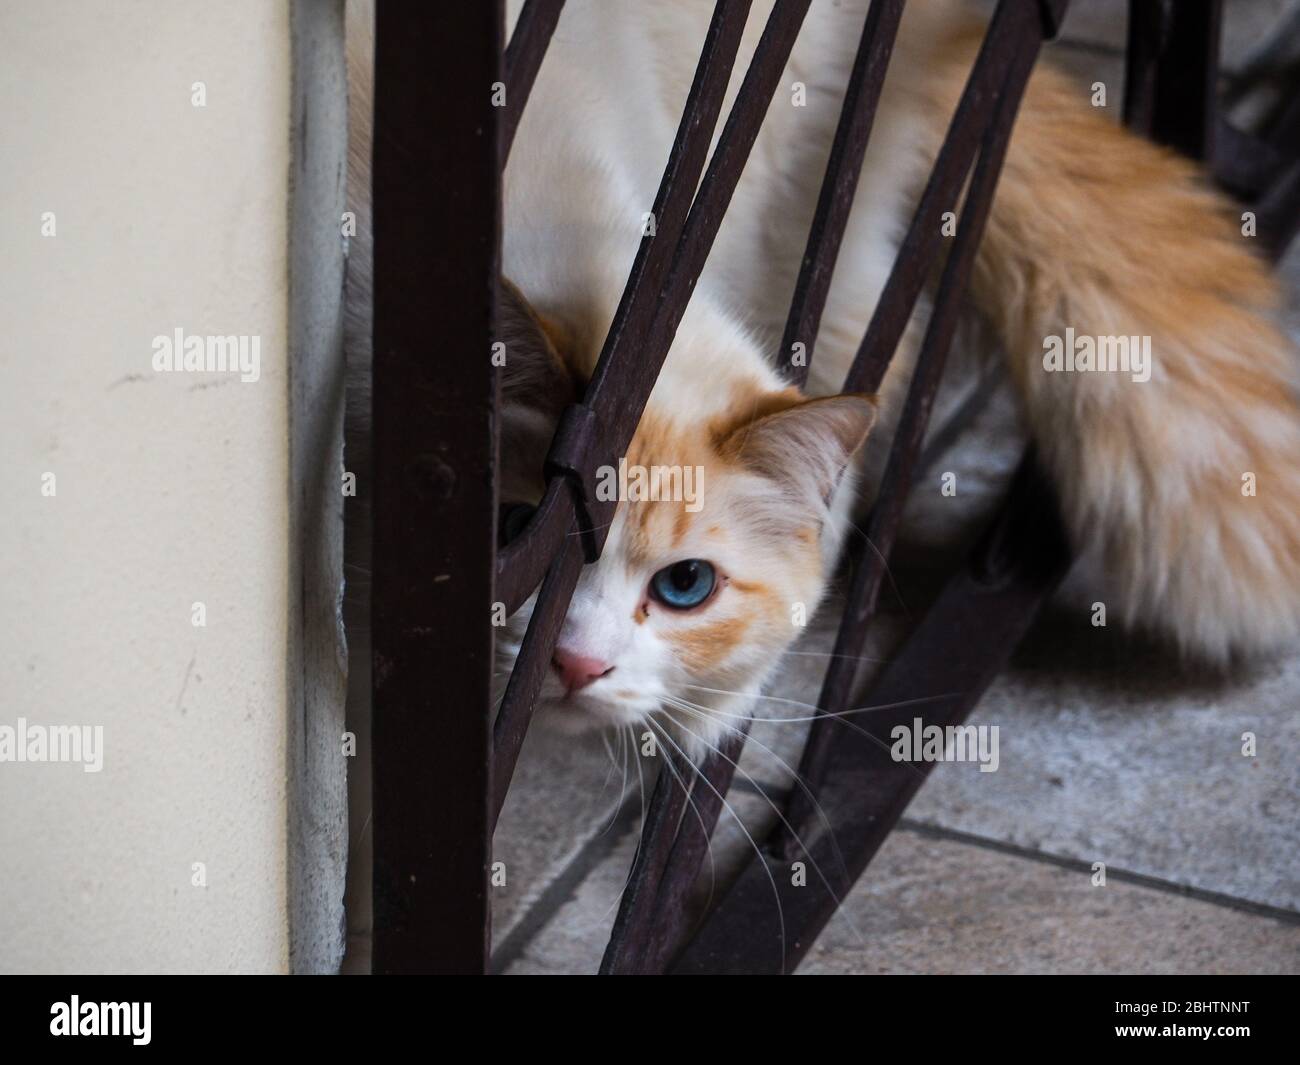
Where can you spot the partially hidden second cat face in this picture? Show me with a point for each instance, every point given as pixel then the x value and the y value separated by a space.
pixel 726 523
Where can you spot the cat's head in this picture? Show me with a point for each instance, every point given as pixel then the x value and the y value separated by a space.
pixel 721 542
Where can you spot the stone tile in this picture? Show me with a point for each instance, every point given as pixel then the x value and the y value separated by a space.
pixel 565 796
pixel 936 905
pixel 939 906
pixel 573 941
pixel 1111 751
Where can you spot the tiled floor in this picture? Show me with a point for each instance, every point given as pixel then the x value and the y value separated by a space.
pixel 1111 752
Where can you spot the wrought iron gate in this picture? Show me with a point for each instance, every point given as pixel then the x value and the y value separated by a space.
pixel 441 769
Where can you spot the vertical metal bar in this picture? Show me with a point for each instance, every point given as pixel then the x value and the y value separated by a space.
pixel 437 240
pixel 1171 72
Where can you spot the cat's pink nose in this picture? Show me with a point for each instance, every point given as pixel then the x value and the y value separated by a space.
pixel 577 671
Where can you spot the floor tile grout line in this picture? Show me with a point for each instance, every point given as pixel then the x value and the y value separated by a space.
pixel 1125 876
pixel 564 886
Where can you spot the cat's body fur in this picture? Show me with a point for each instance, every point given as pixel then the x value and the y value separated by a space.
pixel 1091 229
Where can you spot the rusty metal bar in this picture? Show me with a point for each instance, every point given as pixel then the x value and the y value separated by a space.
pixel 1010 49
pixel 645 933
pixel 960 646
pixel 434 497
pixel 621 385
pixel 857 115
pixel 524 54
pixel 637 308
pixel 431 905
pixel 706 214
pixel 626 948
pixel 689 848
pixel 647 925
pixel 524 561
pixel 1012 24
pixel 710 204
pixel 672 847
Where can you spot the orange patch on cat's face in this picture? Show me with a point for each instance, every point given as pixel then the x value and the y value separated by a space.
pixel 749 403
pixel 653 525
pixel 723 633
pixel 703 647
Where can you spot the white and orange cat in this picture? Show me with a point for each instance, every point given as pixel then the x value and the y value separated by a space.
pixel 1092 230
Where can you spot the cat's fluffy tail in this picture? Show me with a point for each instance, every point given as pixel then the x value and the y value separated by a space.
pixel 1187 484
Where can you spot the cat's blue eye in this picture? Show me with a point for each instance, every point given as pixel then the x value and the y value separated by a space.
pixel 684 584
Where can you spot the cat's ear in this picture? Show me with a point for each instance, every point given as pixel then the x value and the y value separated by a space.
pixel 537 380
pixel 805 445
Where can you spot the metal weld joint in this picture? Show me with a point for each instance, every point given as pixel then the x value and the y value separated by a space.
pixel 571 457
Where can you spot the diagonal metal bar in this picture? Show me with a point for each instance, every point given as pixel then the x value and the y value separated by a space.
pixel 1013 27
pixel 960 646
pixel 621 384
pixel 524 55
pixel 524 562
pixel 710 205
pixel 624 404
pixel 625 950
pixel 857 115
pixel 644 937
pixel 886 515
pixel 639 303
pixel 653 904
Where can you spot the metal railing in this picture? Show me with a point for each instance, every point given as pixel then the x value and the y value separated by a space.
pixel 441 769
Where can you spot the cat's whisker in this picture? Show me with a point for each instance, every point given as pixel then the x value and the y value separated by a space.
pixel 627 746
pixel 832 654
pixel 776 893
pixel 703 712
pixel 708 840
pixel 694 809
pixel 884 562
pixel 839 717
pixel 634 752
pixel 776 810
pixel 622 791
pixel 361 834
pixel 613 763
pixel 813 706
